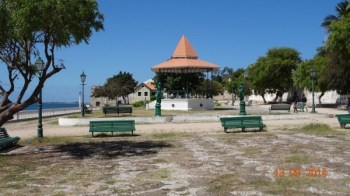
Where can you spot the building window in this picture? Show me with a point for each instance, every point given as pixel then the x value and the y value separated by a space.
pixel 153 93
pixel 146 94
pixel 139 94
pixel 98 104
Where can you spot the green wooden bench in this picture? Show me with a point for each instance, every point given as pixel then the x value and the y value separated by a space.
pixel 112 126
pixel 343 119
pixel 117 110
pixel 280 106
pixel 5 140
pixel 242 122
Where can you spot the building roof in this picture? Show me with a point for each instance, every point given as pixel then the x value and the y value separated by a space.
pixel 151 86
pixel 184 49
pixel 184 60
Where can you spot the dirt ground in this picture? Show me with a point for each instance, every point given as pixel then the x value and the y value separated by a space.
pixel 181 159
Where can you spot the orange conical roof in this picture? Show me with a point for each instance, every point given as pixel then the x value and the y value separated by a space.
pixel 184 49
pixel 184 60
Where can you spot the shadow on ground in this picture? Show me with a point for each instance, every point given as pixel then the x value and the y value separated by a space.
pixel 111 149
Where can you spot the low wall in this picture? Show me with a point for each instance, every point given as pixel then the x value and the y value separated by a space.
pixel 184 104
pixel 33 114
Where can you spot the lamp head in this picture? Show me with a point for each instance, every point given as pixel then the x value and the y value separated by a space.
pixel 40 65
pixel 312 73
pixel 82 77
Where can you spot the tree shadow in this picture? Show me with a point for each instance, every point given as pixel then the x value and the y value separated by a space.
pixel 250 130
pixel 111 149
pixel 99 135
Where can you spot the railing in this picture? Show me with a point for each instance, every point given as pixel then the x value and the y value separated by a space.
pixel 33 114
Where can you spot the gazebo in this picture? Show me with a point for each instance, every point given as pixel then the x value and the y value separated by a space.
pixel 184 61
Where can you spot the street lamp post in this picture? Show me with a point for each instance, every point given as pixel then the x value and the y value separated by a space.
pixel 241 96
pixel 82 78
pixel 231 81
pixel 313 76
pixel 40 65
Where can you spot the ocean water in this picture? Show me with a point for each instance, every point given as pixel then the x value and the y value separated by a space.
pixel 53 106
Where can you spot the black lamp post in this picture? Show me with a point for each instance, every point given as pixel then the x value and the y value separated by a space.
pixel 40 66
pixel 82 78
pixel 241 95
pixel 313 76
pixel 231 81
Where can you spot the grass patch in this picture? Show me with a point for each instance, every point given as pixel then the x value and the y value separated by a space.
pixel 222 185
pixel 164 135
pixel 252 150
pixel 291 185
pixel 158 160
pixel 53 122
pixel 317 129
pixel 298 159
pixel 154 175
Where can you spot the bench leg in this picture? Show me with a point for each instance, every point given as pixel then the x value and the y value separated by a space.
pixel 225 130
pixel 92 134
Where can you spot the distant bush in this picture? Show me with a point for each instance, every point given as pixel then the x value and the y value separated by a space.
pixel 217 104
pixel 153 98
pixel 138 104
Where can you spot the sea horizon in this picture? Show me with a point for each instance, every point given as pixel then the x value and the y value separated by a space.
pixel 53 105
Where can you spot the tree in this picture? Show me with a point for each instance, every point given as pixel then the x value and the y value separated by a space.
pixel 176 83
pixel 273 73
pixel 258 79
pixel 237 77
pixel 212 87
pixel 342 9
pixel 30 27
pixel 337 48
pixel 302 77
pixel 120 85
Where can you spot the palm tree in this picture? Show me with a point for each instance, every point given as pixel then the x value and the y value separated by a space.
pixel 343 9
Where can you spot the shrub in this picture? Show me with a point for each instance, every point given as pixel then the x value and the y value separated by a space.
pixel 138 104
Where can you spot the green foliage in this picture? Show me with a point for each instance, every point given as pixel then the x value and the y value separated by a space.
pixel 337 49
pixel 211 87
pixel 119 85
pixel 138 104
pixel 176 82
pixel 236 78
pixel 302 77
pixel 37 28
pixel 317 129
pixel 273 73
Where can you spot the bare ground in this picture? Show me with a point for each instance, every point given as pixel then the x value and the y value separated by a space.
pixel 181 159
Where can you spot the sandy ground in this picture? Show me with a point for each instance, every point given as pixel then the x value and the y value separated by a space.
pixel 210 163
pixel 28 129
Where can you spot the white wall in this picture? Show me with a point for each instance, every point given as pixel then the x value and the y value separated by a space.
pixel 330 97
pixel 184 104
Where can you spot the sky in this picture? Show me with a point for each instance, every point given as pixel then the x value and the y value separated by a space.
pixel 140 34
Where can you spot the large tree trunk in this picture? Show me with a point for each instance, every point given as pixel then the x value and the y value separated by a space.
pixel 263 97
pixel 319 97
pixel 7 114
pixel 278 94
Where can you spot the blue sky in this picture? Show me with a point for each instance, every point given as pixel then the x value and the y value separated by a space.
pixel 141 34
